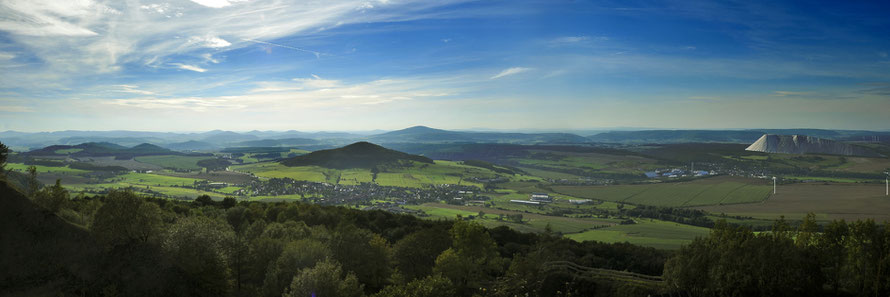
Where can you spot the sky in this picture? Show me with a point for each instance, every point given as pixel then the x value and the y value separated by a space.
pixel 344 65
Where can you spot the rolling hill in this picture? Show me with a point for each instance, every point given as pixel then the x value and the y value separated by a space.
pixel 191 145
pixel 356 155
pixel 102 149
pixel 278 142
pixel 422 134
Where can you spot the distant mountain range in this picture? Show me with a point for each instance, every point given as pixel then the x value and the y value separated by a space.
pixel 218 139
pixel 356 155
pixel 422 134
pixel 730 136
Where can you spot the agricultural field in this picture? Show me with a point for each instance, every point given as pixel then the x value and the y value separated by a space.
pixel 530 221
pixel 43 169
pixel 827 201
pixel 707 191
pixel 418 175
pixel 550 163
pixel 645 232
pixel 174 161
pixel 130 164
pixel 68 151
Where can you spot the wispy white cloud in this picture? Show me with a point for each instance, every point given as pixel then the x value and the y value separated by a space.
pixel 132 89
pixel 213 3
pixel 317 54
pixel 570 40
pixel 511 71
pixel 209 41
pixel 15 108
pixel 789 93
pixel 99 36
pixel 189 67
pixel 303 94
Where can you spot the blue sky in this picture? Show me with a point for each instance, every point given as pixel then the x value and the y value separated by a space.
pixel 389 64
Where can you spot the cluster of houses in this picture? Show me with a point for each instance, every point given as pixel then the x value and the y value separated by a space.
pixel 676 172
pixel 543 198
pixel 535 199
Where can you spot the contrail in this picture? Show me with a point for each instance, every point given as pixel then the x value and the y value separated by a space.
pixel 317 54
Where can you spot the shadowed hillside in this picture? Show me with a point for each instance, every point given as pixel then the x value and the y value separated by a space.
pixel 103 149
pixel 40 253
pixel 356 155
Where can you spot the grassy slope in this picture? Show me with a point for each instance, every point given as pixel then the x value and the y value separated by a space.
pixel 646 232
pixel 173 161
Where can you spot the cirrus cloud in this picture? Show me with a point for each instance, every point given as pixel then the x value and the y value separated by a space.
pixel 511 71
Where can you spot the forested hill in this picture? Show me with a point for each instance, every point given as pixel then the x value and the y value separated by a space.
pixel 40 252
pixel 125 245
pixel 356 155
pixel 102 149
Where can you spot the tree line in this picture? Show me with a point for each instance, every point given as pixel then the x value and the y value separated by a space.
pixel 128 245
pixel 837 259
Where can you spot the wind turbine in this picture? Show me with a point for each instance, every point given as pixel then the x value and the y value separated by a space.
pixel 887 183
pixel 774 185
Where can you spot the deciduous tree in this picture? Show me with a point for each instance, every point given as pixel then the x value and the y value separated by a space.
pixel 325 279
pixel 126 219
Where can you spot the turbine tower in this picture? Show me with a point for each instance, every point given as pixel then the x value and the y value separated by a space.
pixel 774 185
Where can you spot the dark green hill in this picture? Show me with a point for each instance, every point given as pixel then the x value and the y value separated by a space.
pixel 102 149
pixel 41 254
pixel 356 155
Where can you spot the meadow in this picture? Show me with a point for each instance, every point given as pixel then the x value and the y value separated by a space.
pixel 645 232
pixel 828 201
pixel 707 191
pixel 174 161
pixel 415 176
pixel 557 164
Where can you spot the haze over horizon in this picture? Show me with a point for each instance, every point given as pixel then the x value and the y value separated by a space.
pixel 345 65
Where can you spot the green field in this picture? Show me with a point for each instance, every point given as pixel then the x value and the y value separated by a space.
pixel 646 232
pixel 68 151
pixel 849 201
pixel 530 222
pixel 174 161
pixel 824 179
pixel 557 161
pixel 710 191
pixel 42 169
pixel 418 175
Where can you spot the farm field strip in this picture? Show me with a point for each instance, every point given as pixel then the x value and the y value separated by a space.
pixel 827 201
pixel 712 191
pixel 174 161
pixel 646 232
